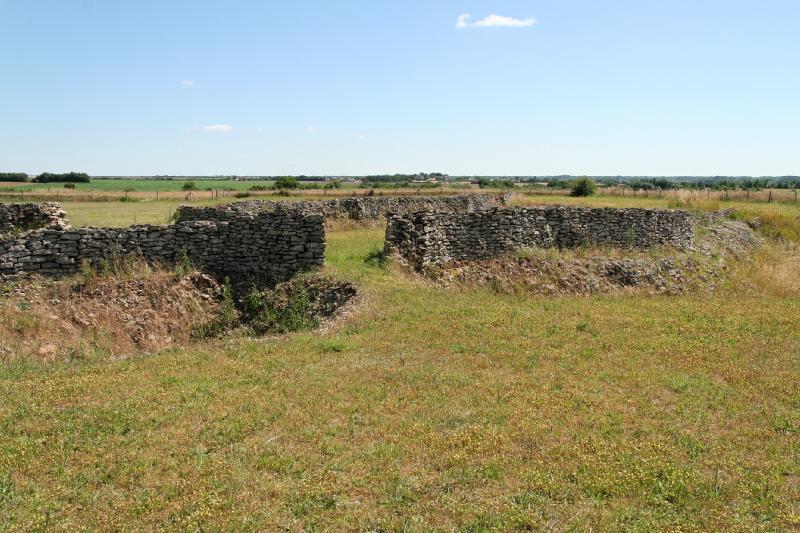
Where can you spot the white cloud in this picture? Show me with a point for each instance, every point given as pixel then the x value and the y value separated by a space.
pixel 361 136
pixel 312 129
pixel 220 128
pixel 494 21
pixel 187 83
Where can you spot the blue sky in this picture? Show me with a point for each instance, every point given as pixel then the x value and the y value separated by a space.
pixel 640 87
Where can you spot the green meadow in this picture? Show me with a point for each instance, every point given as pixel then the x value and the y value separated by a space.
pixel 430 409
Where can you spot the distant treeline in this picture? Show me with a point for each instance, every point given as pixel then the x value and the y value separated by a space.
pixel 716 183
pixel 67 177
pixel 301 177
pixel 13 176
pixel 401 178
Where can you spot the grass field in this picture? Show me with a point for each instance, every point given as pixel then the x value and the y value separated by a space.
pixel 430 409
pixel 156 189
pixel 142 185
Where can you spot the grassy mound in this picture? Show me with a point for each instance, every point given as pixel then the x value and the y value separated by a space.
pixel 130 307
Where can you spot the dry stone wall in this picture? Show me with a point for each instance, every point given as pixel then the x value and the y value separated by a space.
pixel 356 208
pixel 270 246
pixel 18 218
pixel 427 238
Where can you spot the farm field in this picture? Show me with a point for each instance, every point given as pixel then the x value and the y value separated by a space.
pixel 116 214
pixel 430 409
pixel 140 185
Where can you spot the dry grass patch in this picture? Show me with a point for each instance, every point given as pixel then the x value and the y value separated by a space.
pixel 774 270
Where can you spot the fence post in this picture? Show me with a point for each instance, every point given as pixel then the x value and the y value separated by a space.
pixel 769 201
pixel 795 196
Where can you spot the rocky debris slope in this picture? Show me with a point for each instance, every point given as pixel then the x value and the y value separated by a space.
pixel 104 314
pixel 144 310
pixel 727 239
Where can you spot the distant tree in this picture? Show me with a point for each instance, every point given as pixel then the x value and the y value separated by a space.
pixel 584 186
pixel 558 184
pixel 68 177
pixel 189 186
pixel 286 182
pixel 13 176
pixel 333 184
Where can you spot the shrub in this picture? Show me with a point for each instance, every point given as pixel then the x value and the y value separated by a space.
pixel 484 183
pixel 189 186
pixel 583 187
pixel 228 317
pixel 279 311
pixel 13 176
pixel 69 185
pixel 68 177
pixel 286 182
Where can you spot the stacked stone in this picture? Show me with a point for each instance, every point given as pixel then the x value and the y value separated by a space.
pixel 355 208
pixel 428 238
pixel 18 218
pixel 270 246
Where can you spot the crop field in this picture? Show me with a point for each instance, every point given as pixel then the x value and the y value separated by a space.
pixel 428 408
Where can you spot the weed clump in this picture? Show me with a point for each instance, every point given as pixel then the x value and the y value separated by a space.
pixel 299 304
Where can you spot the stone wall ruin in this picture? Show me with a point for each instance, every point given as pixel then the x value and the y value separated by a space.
pixel 269 246
pixel 427 238
pixel 354 208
